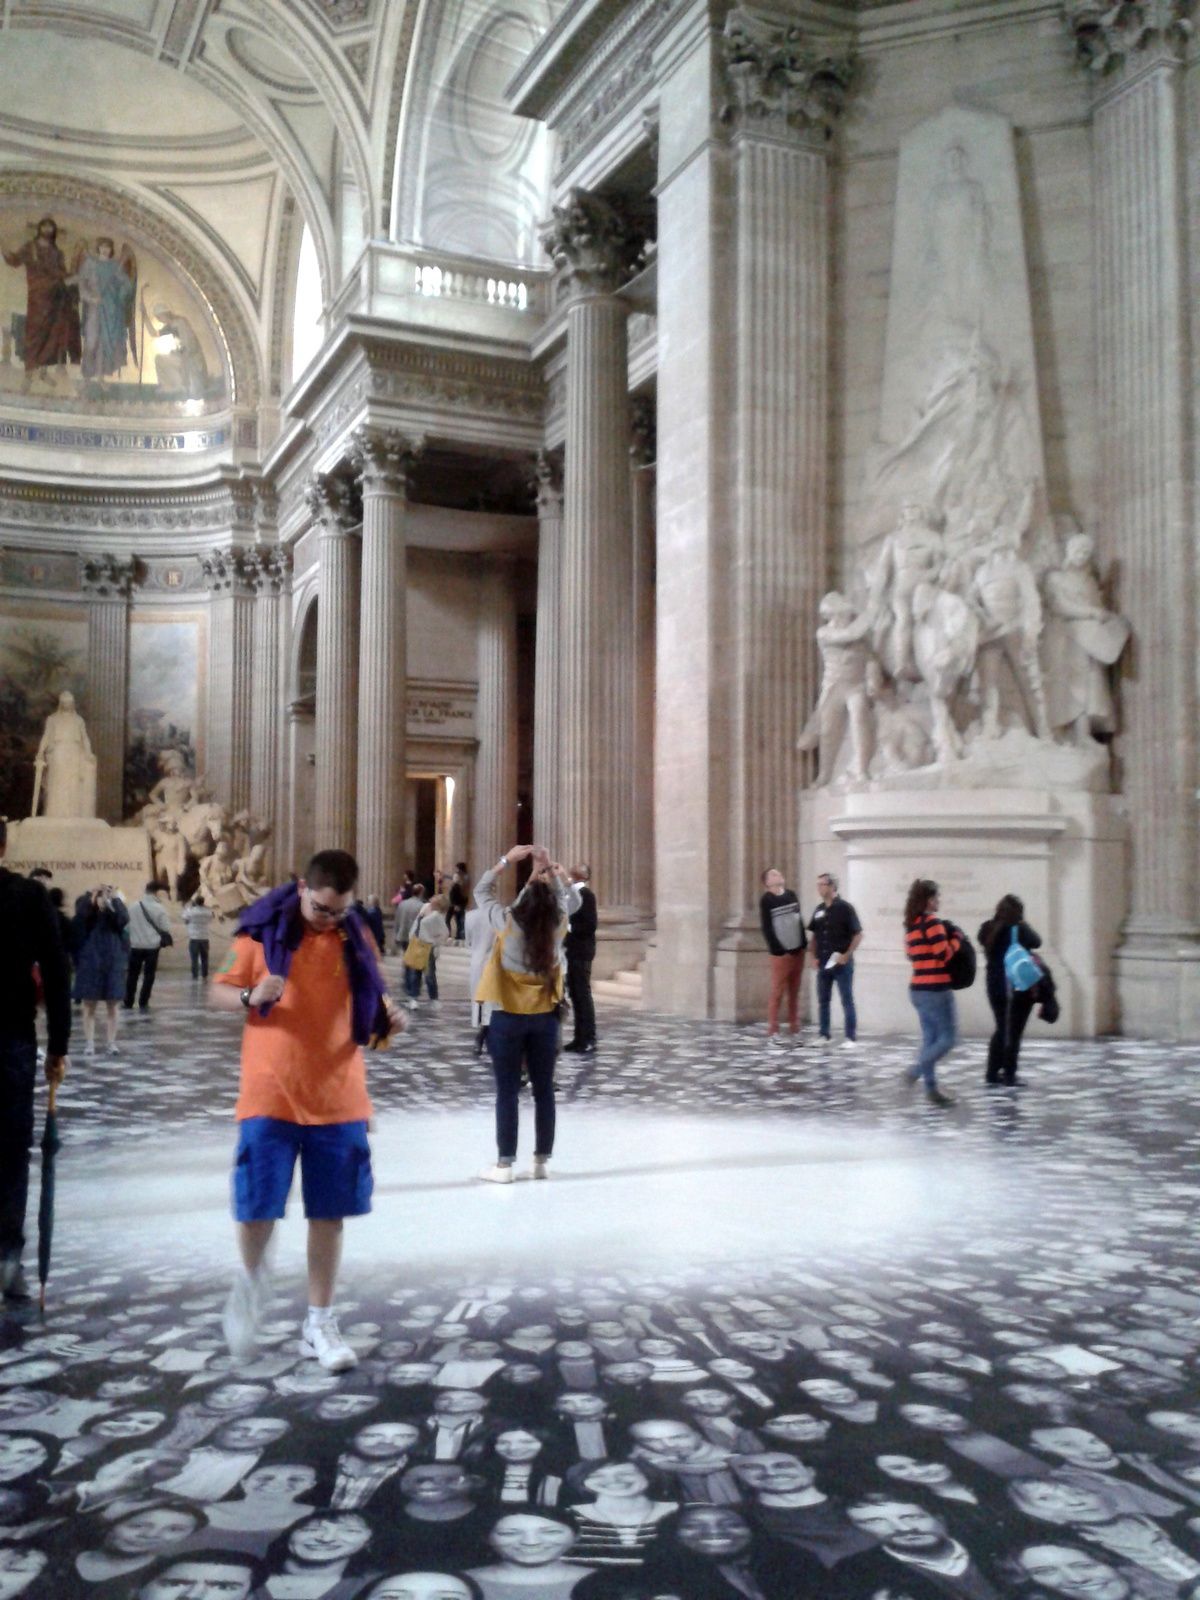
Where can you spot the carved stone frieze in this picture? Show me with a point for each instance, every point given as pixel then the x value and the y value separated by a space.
pixel 619 65
pixel 1108 32
pixel 384 457
pixel 783 77
pixel 107 577
pixel 266 507
pixel 595 245
pixel 241 347
pixel 87 510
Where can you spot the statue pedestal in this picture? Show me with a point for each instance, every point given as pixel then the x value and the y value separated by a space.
pixel 1064 854
pixel 82 852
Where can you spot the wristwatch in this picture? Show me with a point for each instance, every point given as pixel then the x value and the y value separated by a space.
pixel 245 998
pixel 503 861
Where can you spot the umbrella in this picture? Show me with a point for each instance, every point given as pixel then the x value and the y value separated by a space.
pixel 50 1144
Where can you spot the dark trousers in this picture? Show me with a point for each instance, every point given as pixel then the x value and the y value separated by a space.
pixel 18 1065
pixel 534 1040
pixel 146 963
pixel 1011 1011
pixel 198 952
pixel 412 979
pixel 843 977
pixel 458 922
pixel 579 991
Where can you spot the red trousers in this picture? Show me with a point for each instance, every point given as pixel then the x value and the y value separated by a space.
pixel 785 978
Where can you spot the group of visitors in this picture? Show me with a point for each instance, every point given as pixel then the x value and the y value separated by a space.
pixel 941 958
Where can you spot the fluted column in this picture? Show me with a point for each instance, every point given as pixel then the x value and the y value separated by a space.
pixel 642 454
pixel 338 603
pixel 384 459
pixel 594 249
pixel 1146 506
pixel 546 709
pixel 496 713
pixel 108 583
pixel 230 675
pixel 269 566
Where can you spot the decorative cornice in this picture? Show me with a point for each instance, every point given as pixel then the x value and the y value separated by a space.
pixel 332 504
pixel 228 570
pixel 1108 32
pixel 107 577
pixel 782 77
pixel 119 512
pixel 384 458
pixel 595 246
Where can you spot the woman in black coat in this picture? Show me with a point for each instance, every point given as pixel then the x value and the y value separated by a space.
pixel 1010 1007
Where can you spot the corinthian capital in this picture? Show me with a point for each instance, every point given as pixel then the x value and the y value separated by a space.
pixel 1108 32
pixel 782 77
pixel 385 457
pixel 595 246
pixel 331 502
pixel 107 577
pixel 228 571
pixel 267 568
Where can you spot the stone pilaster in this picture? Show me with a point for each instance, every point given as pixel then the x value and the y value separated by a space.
pixel 1146 514
pixel 385 459
pixel 642 457
pixel 269 566
pixel 546 709
pixel 495 810
pixel 230 675
pixel 594 249
pixel 108 583
pixel 331 504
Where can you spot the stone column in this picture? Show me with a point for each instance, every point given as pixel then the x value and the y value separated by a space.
pixel 642 454
pixel 546 708
pixel 495 814
pixel 108 583
pixel 1146 521
pixel 594 249
pixel 384 459
pixel 230 676
pixel 743 351
pixel 268 566
pixel 331 503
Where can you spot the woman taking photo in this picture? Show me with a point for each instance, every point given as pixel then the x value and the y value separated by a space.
pixel 1010 1007
pixel 523 983
pixel 930 944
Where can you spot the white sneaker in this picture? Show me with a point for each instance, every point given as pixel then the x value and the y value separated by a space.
pixel 323 1341
pixel 243 1312
pixel 89 1050
pixel 849 1044
pixel 114 1050
pixel 497 1174
pixel 411 1004
pixel 775 1042
pixel 540 1168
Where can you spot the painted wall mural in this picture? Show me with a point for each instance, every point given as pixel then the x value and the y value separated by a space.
pixel 43 650
pixel 96 319
pixel 167 656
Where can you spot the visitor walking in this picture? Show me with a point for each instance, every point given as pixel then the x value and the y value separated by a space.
pixel 407 912
pixel 198 920
pixel 149 931
pixel 99 942
pixel 429 933
pixel 783 929
pixel 580 948
pixel 305 975
pixel 459 895
pixel 29 936
pixel 930 944
pixel 1010 1006
pixel 523 983
pixel 837 934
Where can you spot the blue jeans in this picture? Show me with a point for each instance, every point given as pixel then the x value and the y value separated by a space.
pixel 939 1031
pixel 534 1039
pixel 412 979
pixel 843 976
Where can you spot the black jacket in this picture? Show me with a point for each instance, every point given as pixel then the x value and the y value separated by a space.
pixel 29 934
pixel 581 939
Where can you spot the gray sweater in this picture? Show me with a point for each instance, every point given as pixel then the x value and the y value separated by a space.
pixel 147 924
pixel 512 957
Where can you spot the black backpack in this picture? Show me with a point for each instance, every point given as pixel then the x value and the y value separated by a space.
pixel 962 964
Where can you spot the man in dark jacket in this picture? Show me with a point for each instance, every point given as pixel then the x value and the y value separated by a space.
pixel 29 936
pixel 581 952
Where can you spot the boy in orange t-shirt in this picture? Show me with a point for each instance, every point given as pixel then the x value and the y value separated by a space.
pixel 303 1093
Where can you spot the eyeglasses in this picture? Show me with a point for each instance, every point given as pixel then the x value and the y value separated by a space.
pixel 328 912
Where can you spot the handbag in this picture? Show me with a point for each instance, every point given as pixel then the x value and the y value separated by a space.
pixel 1020 967
pixel 165 940
pixel 962 964
pixel 417 953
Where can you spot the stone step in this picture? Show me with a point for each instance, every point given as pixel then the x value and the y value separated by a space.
pixel 623 988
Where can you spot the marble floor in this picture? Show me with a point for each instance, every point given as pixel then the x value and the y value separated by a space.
pixel 776 1328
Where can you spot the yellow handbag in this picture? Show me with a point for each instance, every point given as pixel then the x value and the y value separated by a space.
pixel 416 954
pixel 521 992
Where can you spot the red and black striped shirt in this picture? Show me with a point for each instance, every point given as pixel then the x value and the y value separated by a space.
pixel 930 945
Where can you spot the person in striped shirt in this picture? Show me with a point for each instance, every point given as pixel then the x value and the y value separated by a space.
pixel 930 943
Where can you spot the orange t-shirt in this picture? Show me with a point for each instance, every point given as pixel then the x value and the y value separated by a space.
pixel 300 1062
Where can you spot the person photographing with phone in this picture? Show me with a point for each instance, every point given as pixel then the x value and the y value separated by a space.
pixel 304 970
